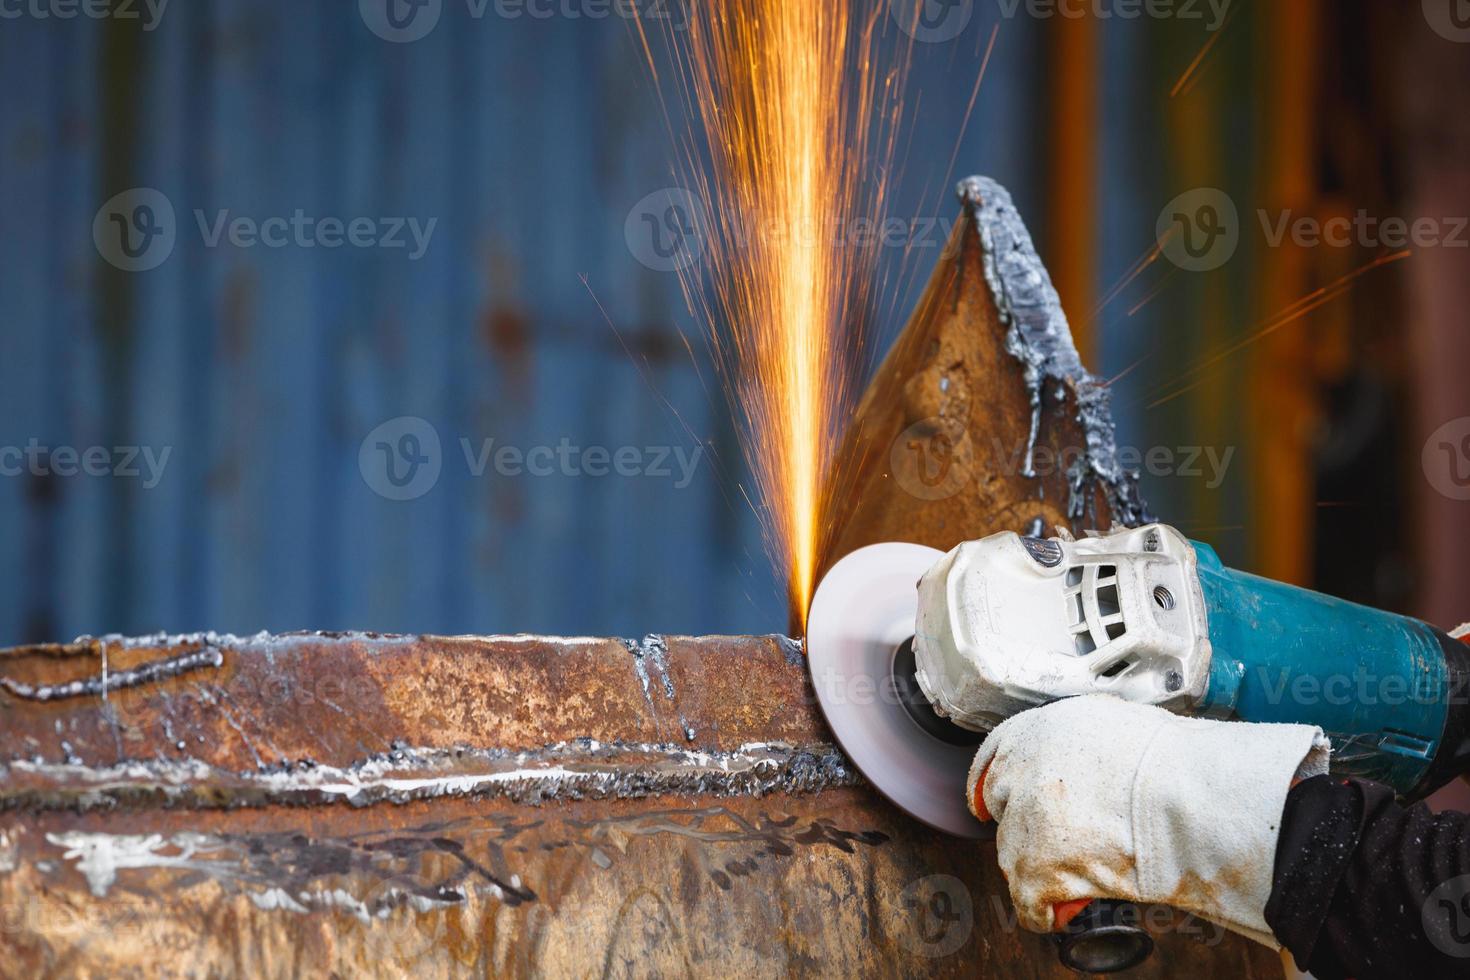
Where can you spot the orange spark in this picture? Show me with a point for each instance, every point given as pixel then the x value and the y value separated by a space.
pixel 1134 271
pixel 798 113
pixel 1295 311
pixel 1153 293
pixel 1187 80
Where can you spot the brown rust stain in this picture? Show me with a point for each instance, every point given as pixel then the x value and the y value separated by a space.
pixel 508 333
pixel 1196 892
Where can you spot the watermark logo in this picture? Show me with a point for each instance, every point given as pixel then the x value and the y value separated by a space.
pixel 1362 230
pixel 665 230
pixel 1212 12
pixel 1361 687
pixel 1446 459
pixel 143 463
pixel 1446 917
pixel 935 458
pixel 568 459
pixel 1199 230
pixel 932 21
pixel 1450 19
pixel 929 459
pixel 1208 463
pixel 150 12
pixel 400 21
pixel 401 459
pixel 136 229
pixel 647 11
pixel 936 916
pixel 303 230
pixel 405 21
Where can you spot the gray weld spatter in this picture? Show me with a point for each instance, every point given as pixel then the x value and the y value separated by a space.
pixel 1039 337
pixel 653 652
pixel 579 769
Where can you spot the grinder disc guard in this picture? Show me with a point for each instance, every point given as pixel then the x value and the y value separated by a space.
pixel 861 615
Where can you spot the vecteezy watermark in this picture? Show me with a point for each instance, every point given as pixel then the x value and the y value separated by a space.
pixel 1156 919
pixel 1445 916
pixel 145 463
pixel 568 459
pixel 648 11
pixel 1450 19
pixel 1446 459
pixel 1363 230
pixel 1211 13
pixel 302 230
pixel 932 21
pixel 404 21
pixel 150 12
pixel 1361 686
pixel 935 458
pixel 1208 463
pixel 137 230
pixel 744 231
pixel 1200 230
pixel 400 21
pixel 80 922
pixel 937 21
pixel 935 916
pixel 931 459
pixel 665 230
pixel 402 459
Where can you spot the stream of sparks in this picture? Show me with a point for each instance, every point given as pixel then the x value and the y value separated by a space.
pixel 797 110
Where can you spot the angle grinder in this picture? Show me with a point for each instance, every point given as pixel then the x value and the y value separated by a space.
pixel 915 654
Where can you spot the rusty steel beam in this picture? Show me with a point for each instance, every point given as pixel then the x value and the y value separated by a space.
pixel 318 804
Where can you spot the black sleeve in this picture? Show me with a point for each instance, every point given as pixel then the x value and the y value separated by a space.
pixel 1365 888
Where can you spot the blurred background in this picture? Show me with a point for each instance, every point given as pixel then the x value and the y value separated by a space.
pixel 287 289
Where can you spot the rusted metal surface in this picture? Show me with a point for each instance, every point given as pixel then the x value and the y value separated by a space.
pixel 300 718
pixel 430 806
pixel 982 417
pixel 317 804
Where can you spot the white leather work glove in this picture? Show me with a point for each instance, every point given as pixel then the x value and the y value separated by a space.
pixel 1101 798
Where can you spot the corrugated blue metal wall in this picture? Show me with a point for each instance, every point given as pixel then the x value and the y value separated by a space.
pixel 262 370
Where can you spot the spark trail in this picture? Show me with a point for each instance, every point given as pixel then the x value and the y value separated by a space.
pixel 797 109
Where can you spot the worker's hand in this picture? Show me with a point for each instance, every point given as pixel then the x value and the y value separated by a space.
pixel 1101 798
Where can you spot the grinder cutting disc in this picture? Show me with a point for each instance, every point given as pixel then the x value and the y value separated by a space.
pixel 859 648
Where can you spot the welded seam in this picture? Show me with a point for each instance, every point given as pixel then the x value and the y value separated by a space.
pixel 1039 336
pixel 106 681
pixel 583 769
pixel 651 664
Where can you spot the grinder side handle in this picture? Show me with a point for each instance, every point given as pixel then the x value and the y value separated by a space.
pixel 1099 935
pixel 1104 937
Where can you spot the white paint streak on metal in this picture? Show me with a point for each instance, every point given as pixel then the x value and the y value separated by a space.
pixel 99 857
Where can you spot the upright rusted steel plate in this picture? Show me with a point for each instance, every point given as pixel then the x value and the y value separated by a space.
pixel 982 417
